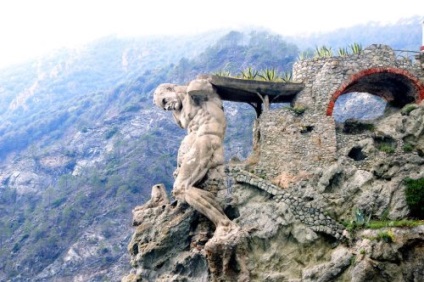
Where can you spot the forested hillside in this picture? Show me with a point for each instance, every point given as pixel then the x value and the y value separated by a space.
pixel 402 35
pixel 81 143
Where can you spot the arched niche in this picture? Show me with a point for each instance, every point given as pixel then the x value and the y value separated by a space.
pixel 397 86
pixel 358 106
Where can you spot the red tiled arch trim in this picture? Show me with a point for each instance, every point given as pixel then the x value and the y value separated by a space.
pixel 415 81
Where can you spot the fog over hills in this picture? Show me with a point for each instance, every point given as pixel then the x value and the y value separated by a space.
pixel 81 143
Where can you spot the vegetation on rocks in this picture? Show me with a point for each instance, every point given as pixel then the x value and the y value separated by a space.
pixel 408 108
pixel 414 193
pixel 80 143
pixel 264 75
pixel 298 109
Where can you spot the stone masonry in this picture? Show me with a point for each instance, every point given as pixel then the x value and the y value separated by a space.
pixel 295 142
pixel 313 217
pixel 306 175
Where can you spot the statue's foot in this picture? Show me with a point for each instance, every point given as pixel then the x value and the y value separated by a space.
pixel 226 230
pixel 229 241
pixel 227 234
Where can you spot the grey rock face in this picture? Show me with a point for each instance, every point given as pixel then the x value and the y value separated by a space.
pixel 309 176
pixel 163 247
pixel 340 260
pixel 400 259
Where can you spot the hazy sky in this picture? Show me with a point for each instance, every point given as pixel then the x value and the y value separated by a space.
pixel 33 27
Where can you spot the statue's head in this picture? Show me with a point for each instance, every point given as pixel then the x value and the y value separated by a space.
pixel 168 96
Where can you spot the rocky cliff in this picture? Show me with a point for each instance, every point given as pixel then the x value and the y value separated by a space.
pixel 306 198
pixel 80 146
pixel 291 234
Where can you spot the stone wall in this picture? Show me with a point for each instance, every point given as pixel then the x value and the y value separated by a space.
pixel 308 214
pixel 305 152
pixel 324 76
pixel 296 144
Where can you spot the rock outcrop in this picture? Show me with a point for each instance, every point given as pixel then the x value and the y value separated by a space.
pixel 310 176
pixel 294 233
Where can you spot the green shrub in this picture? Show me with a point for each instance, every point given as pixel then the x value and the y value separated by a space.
pixel 353 126
pixel 414 194
pixel 360 220
pixel 386 236
pixel 298 109
pixel 387 148
pixel 377 224
pixel 408 147
pixel 408 108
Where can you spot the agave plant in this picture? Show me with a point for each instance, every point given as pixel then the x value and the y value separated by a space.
pixel 223 73
pixel 268 74
pixel 343 52
pixel 287 76
pixel 356 48
pixel 249 73
pixel 303 55
pixel 323 51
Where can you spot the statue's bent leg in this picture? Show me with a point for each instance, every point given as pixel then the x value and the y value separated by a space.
pixel 205 203
pixel 196 164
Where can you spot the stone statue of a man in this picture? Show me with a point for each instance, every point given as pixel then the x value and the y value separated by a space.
pixel 197 108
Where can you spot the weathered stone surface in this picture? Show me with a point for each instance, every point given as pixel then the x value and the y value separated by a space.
pixel 23 182
pixel 329 175
pixel 399 260
pixel 340 260
pixel 161 245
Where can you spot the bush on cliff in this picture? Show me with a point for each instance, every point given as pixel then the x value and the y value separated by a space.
pixel 414 193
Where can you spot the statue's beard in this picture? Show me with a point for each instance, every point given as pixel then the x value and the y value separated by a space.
pixel 171 106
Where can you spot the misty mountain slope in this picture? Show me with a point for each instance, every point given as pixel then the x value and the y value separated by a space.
pixel 76 164
pixel 402 35
pixel 59 191
pixel 45 95
pixel 237 51
pixel 81 143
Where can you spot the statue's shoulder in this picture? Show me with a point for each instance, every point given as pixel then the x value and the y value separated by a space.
pixel 201 90
pixel 200 87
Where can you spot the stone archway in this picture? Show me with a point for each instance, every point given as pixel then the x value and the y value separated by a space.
pixel 397 86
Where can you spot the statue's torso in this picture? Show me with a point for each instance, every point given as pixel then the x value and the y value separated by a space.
pixel 205 118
